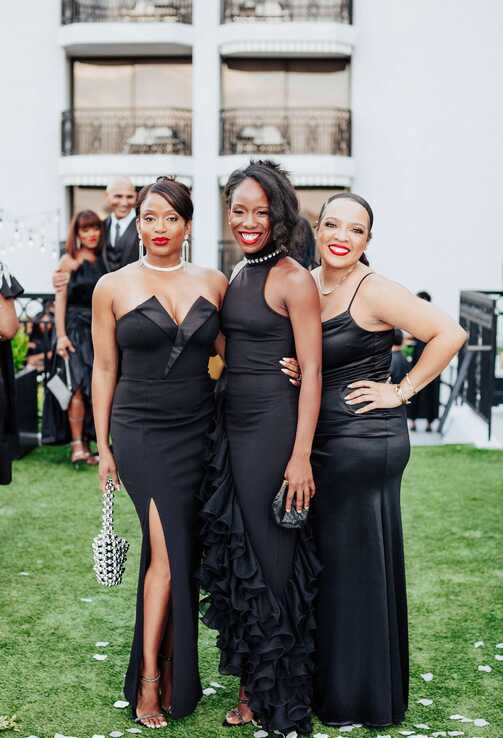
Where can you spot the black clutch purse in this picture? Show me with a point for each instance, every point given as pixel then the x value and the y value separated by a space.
pixel 292 519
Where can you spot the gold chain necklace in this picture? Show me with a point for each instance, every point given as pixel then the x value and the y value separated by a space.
pixel 328 291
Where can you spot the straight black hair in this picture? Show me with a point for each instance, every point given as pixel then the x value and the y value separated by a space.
pixel 175 193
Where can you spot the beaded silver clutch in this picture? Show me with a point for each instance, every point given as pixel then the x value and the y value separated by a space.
pixel 109 549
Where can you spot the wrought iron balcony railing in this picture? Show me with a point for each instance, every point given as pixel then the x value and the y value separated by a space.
pixel 151 11
pixel 290 131
pixel 279 11
pixel 127 131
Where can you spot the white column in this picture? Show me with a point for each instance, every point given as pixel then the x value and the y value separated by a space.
pixel 205 131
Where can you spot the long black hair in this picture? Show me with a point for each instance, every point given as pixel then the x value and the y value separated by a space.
pixel 361 201
pixel 281 196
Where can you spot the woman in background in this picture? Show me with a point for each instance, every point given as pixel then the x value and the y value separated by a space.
pixel 426 403
pixel 9 290
pixel 84 265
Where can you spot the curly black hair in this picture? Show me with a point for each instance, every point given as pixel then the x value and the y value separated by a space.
pixel 280 193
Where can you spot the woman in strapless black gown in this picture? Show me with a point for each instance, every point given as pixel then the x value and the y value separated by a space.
pixel 160 316
pixel 84 263
pixel 360 452
pixel 261 577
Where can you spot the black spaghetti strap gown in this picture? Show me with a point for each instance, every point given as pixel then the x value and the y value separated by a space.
pixel 358 461
pixel 260 577
pixel 161 414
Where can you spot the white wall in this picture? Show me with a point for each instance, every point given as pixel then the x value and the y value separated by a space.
pixel 428 140
pixel 32 89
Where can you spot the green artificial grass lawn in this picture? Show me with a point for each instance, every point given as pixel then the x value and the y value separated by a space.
pixel 453 517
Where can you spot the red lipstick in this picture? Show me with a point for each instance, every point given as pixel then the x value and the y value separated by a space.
pixel 160 241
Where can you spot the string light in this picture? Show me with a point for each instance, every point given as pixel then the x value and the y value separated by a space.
pixel 38 231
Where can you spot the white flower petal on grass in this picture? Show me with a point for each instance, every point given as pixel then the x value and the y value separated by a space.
pixel 24 573
pixel 261 734
pixel 208 691
pixel 480 723
pixel 478 644
pixel 424 701
pixel 133 730
pixel 102 644
pixel 98 736
pixel 455 732
pixel 293 734
pixel 485 667
pixel 345 728
pixel 217 685
pixel 100 656
pixel 406 732
pixel 121 704
pixel 439 733
pixel 456 717
pixel 86 599
pixel 427 677
pixel 357 725
pixel 499 657
pixel 421 726
pixel 499 645
pixel 466 720
pixel 115 734
pixel 320 735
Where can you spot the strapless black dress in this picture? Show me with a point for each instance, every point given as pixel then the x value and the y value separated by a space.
pixel 358 461
pixel 260 577
pixel 161 415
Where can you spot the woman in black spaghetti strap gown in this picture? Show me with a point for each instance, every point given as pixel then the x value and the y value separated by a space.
pixel 360 452
pixel 160 316
pixel 261 577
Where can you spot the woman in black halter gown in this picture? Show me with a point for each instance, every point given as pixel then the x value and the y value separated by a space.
pixel 160 316
pixel 360 451
pixel 261 577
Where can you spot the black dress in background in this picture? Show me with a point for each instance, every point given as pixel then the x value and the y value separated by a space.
pixel 10 289
pixel 362 654
pixel 425 404
pixel 161 414
pixel 78 329
pixel 260 577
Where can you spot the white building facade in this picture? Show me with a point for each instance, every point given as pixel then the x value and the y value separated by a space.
pixel 397 101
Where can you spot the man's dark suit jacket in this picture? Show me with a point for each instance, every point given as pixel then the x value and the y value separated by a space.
pixel 127 247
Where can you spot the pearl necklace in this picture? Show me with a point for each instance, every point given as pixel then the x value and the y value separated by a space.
pixel 260 259
pixel 145 263
pixel 328 291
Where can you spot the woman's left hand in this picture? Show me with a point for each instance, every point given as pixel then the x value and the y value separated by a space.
pixel 376 394
pixel 299 476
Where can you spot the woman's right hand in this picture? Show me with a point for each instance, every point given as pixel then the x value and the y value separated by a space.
pixel 107 469
pixel 63 346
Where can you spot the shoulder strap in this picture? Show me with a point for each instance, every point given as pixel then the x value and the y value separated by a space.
pixel 358 287
pixel 237 269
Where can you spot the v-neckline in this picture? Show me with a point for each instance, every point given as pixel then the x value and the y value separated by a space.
pixel 166 312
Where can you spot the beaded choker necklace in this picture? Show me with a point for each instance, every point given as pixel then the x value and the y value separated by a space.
pixel 266 257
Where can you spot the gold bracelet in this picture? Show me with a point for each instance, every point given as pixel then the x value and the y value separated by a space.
pixel 407 379
pixel 400 394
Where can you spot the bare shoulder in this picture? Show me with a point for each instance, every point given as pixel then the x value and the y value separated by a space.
pixel 113 282
pixel 214 275
pixel 377 286
pixel 294 273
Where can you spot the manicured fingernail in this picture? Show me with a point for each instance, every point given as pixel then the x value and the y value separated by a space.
pixel 348 402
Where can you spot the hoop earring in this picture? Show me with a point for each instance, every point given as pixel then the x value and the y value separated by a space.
pixel 186 249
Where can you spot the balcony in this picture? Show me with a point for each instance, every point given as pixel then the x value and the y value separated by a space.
pixel 281 11
pixel 292 131
pixel 161 131
pixel 130 11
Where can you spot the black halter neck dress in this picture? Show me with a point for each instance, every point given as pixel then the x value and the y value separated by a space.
pixel 358 461
pixel 260 577
pixel 161 415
